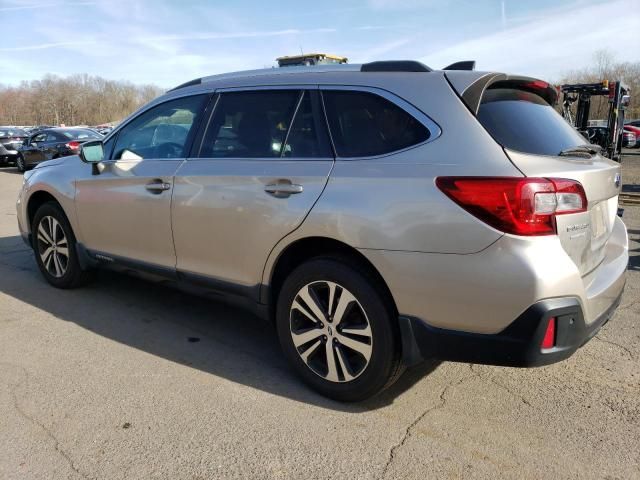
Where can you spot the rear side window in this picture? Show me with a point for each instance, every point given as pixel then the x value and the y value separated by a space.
pixel 250 124
pixel 525 122
pixel 363 124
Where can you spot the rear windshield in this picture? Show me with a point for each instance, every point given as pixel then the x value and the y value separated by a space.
pixel 13 132
pixel 523 121
pixel 81 134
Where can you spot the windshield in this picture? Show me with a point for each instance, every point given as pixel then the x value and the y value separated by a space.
pixel 12 132
pixel 81 134
pixel 523 121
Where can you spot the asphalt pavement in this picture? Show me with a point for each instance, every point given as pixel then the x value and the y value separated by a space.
pixel 125 379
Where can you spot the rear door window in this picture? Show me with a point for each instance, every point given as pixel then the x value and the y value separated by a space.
pixel 525 122
pixel 308 137
pixel 250 124
pixel 364 124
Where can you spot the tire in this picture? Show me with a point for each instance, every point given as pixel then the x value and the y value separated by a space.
pixel 364 363
pixel 20 165
pixel 58 263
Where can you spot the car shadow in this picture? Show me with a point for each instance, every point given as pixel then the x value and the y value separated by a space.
pixel 11 169
pixel 198 332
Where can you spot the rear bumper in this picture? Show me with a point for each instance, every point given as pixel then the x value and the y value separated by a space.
pixel 518 345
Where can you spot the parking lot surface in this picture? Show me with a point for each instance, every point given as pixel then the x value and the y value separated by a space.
pixel 125 379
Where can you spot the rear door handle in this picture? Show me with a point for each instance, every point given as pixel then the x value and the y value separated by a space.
pixel 157 186
pixel 283 189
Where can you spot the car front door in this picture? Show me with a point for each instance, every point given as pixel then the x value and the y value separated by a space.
pixel 124 211
pixel 263 162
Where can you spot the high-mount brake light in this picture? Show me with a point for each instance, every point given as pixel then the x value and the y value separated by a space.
pixel 516 205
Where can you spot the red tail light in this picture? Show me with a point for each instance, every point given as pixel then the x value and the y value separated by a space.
pixel 549 340
pixel 520 206
pixel 73 145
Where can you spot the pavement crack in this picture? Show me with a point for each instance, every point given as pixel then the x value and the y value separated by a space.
pixel 34 421
pixel 408 431
pixel 502 386
pixel 616 345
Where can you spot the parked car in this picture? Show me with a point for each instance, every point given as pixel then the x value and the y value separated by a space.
pixel 369 215
pixel 634 123
pixel 633 138
pixel 52 143
pixel 10 141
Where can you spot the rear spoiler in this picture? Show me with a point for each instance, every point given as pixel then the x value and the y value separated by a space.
pixel 472 94
pixel 463 65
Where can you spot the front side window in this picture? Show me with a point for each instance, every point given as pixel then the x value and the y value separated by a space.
pixel 250 124
pixel 161 132
pixel 363 124
pixel 41 137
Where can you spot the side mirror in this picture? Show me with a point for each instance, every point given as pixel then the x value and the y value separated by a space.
pixel 93 153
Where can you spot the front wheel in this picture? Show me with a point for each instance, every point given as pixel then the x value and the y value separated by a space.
pixel 338 329
pixel 54 245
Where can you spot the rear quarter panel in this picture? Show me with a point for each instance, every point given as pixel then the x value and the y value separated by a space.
pixel 391 202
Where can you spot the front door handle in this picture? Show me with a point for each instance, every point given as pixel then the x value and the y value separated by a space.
pixel 157 186
pixel 283 189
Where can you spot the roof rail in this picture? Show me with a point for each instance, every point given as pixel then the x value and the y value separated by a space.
pixel 463 65
pixel 197 81
pixel 395 66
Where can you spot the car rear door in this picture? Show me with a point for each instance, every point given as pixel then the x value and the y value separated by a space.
pixel 34 153
pixel 264 160
pixel 124 211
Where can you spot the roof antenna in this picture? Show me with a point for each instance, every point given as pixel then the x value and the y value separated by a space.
pixel 301 53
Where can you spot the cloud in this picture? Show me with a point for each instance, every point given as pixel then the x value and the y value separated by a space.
pixel 44 46
pixel 378 52
pixel 564 40
pixel 38 6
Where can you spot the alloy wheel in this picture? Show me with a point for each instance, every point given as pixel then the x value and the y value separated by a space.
pixel 330 331
pixel 53 246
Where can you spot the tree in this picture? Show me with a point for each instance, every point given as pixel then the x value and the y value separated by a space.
pixel 605 67
pixel 75 100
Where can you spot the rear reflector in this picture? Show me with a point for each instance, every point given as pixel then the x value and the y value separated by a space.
pixel 516 205
pixel 549 339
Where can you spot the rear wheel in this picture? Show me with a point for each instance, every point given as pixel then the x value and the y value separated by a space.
pixel 54 245
pixel 20 165
pixel 338 330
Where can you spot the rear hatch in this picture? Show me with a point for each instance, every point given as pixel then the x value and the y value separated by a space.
pixel 516 112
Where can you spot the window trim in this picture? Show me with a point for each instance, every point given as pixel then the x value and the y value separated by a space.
pixel 434 129
pixel 195 152
pixel 115 134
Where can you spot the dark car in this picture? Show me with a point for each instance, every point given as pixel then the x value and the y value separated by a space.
pixel 53 143
pixel 634 123
pixel 10 141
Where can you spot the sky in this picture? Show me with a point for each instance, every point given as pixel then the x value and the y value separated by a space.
pixel 168 42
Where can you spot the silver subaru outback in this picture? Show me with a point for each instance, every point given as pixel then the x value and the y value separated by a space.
pixel 378 214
